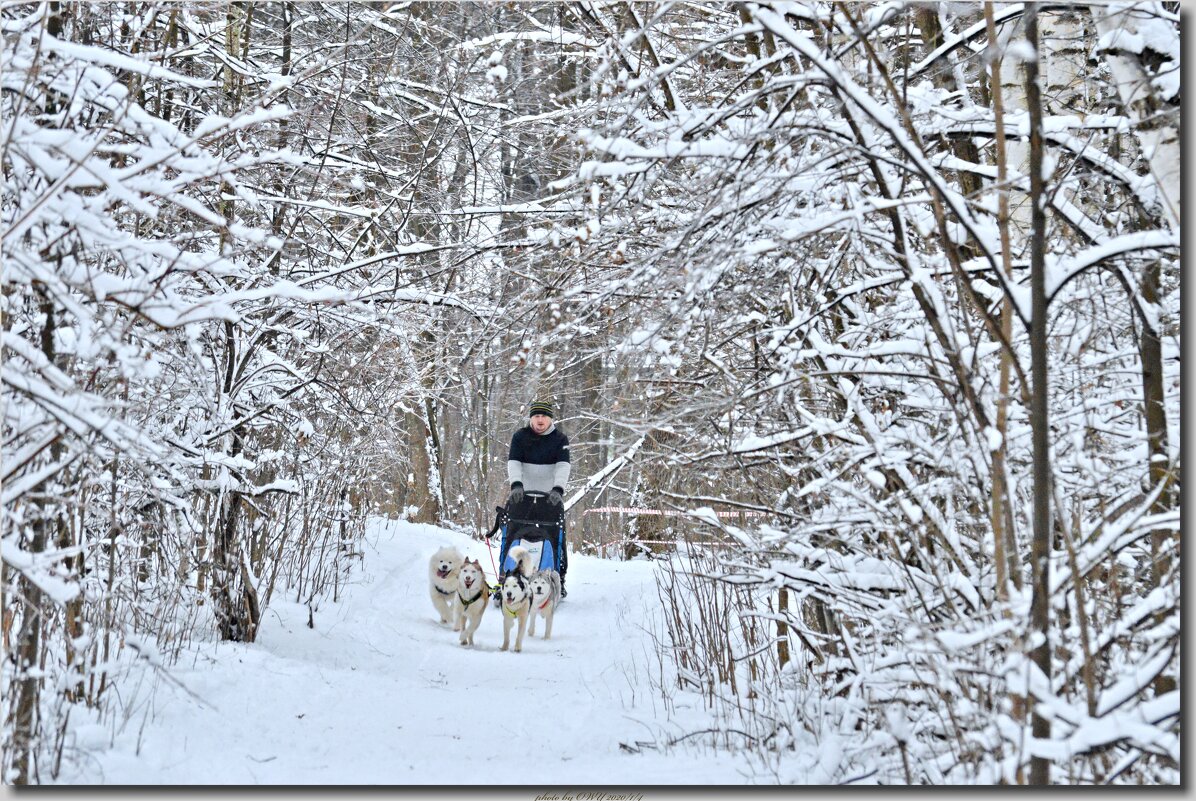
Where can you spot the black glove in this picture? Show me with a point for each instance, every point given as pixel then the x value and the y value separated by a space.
pixel 516 496
pixel 557 496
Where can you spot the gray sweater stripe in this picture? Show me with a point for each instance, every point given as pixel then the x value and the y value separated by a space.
pixel 539 477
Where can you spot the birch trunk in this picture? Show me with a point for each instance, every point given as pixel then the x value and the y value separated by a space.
pixel 1134 37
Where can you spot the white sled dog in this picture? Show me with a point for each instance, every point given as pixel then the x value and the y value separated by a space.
pixel 442 581
pixel 472 595
pixel 516 598
pixel 545 588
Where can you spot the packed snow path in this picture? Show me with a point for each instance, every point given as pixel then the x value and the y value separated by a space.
pixel 379 692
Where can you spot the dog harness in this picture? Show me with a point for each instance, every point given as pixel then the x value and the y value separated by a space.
pixel 443 592
pixel 471 600
pixel 546 600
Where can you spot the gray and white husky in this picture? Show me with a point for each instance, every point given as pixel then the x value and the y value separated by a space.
pixel 546 593
pixel 516 596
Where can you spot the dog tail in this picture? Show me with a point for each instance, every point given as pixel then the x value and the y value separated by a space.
pixel 522 559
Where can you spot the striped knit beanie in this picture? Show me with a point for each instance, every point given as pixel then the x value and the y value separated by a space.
pixel 541 407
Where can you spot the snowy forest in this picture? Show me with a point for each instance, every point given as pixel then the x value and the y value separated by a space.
pixel 862 319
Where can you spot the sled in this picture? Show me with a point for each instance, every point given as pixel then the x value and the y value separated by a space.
pixel 536 525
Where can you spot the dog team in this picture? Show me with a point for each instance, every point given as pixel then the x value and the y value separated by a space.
pixel 460 594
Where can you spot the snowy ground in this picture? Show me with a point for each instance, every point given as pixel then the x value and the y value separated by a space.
pixel 379 692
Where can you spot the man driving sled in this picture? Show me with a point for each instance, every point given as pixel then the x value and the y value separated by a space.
pixel 539 462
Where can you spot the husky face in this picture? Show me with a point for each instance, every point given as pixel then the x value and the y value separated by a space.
pixel 541 587
pixel 514 589
pixel 446 562
pixel 471 577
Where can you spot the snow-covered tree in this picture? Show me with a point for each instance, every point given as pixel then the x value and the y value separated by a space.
pixel 829 269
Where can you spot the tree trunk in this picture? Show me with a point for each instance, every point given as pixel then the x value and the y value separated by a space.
pixel 1040 610
pixel 421 492
pixel 1152 104
pixel 1004 541
pixel 1159 469
pixel 26 677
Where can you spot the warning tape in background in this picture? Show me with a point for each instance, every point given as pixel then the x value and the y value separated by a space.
pixel 630 510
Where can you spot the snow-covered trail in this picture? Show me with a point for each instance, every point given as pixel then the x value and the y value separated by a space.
pixel 379 692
